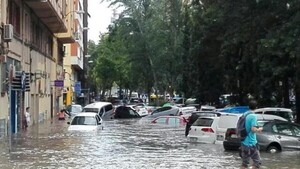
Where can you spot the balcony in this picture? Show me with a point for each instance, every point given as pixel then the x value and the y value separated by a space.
pixel 76 63
pixel 50 12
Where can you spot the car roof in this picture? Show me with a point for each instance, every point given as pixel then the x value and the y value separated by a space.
pixel 97 105
pixel 86 114
pixel 269 117
pixel 179 117
pixel 273 109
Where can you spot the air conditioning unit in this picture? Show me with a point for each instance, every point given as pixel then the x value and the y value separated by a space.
pixel 77 36
pixel 8 33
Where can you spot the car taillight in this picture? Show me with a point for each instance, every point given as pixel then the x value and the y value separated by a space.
pixel 230 132
pixel 207 130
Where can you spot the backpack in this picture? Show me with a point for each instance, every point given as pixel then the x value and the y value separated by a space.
pixel 241 127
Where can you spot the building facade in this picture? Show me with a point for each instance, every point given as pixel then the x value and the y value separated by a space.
pixel 35 37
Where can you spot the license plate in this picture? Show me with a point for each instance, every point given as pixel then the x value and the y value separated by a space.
pixel 193 139
pixel 220 138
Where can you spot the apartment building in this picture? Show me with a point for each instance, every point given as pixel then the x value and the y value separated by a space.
pixel 36 35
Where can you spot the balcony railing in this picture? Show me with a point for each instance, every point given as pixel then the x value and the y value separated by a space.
pixel 50 12
pixel 77 63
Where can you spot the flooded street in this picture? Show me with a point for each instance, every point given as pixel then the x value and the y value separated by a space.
pixel 132 144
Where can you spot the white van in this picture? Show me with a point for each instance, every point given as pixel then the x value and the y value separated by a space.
pixel 104 109
pixel 282 112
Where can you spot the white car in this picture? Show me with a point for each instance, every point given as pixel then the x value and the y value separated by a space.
pixel 227 120
pixel 88 121
pixel 203 130
pixel 103 109
pixel 142 111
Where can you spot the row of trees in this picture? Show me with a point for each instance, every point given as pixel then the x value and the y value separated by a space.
pixel 203 49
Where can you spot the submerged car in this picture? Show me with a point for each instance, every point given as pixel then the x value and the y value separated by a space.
pixel 103 109
pixel 203 130
pixel 175 121
pixel 165 111
pixel 268 138
pixel 125 112
pixel 88 121
pixel 73 109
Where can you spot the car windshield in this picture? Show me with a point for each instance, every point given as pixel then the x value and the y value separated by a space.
pixel 76 109
pixel 203 122
pixel 84 120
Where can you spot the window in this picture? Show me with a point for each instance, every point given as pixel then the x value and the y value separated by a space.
pixel 296 130
pixel 14 17
pixel 108 108
pixel 282 128
pixel 173 121
pixel 161 120
pixel 203 122
pixel 82 120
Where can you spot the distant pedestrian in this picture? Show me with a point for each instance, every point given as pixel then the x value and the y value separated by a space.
pixel 27 115
pixel 24 121
pixel 190 122
pixel 249 146
pixel 61 115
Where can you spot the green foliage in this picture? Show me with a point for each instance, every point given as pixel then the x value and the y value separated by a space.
pixel 205 48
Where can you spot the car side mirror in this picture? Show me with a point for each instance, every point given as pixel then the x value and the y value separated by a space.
pixel 68 122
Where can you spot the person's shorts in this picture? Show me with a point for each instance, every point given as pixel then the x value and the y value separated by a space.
pixel 61 118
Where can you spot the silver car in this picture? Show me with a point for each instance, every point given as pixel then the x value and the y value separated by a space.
pixel 279 136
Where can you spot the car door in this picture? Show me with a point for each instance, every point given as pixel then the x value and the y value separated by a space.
pixel 296 129
pixel 284 134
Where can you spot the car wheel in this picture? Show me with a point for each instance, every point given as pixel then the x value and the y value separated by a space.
pixel 273 149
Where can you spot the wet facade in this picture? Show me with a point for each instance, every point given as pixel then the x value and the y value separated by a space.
pixel 33 39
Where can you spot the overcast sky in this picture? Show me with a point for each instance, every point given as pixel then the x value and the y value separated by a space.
pixel 99 20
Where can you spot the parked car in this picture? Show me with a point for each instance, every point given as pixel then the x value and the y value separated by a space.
pixel 203 130
pixel 141 110
pixel 282 112
pixel 201 114
pixel 207 108
pixel 85 122
pixel 226 121
pixel 103 109
pixel 232 142
pixel 186 111
pixel 279 136
pixel 235 109
pixel 165 111
pixel 170 121
pixel 73 109
pixel 124 112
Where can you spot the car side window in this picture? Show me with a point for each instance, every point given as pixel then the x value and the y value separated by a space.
pixel 101 111
pixel 283 129
pixel 259 112
pixel 172 121
pixel 108 108
pixel 161 120
pixel 296 130
pixel 98 119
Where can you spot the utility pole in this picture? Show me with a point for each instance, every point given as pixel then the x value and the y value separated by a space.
pixel 84 82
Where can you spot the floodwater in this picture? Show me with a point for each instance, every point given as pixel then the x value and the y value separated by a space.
pixel 123 144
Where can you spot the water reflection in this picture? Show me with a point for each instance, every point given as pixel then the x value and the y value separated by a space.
pixel 122 144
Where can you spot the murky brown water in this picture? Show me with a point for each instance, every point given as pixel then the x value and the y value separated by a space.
pixel 123 144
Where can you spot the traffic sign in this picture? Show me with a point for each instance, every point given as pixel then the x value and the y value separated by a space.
pixel 77 87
